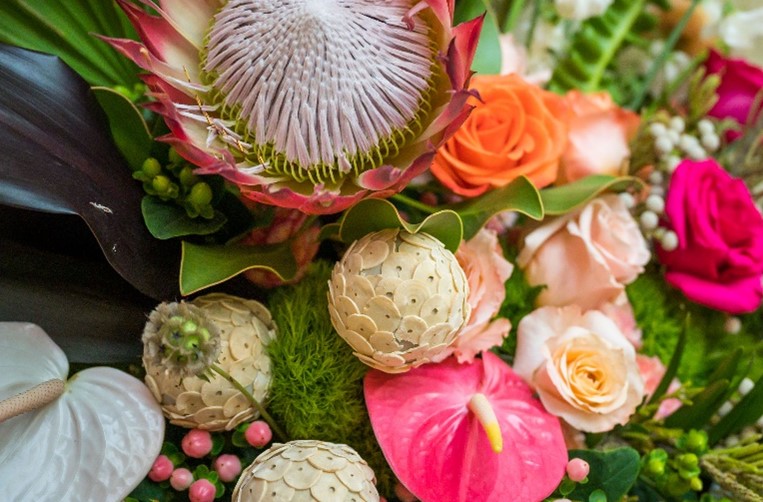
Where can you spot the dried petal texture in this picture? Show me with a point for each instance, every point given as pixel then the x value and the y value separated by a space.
pixel 97 441
pixel 398 299
pixel 306 104
pixel 246 328
pixel 307 470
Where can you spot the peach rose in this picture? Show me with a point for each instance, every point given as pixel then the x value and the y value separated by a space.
pixel 513 131
pixel 585 258
pixel 599 132
pixel 652 370
pixel 486 272
pixel 582 367
pixel 621 312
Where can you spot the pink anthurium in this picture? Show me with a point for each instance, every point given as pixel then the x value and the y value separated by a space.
pixel 466 432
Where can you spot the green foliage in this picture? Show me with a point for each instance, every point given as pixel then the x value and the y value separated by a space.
pixel 594 47
pixel 746 412
pixel 738 469
pixel 371 215
pixel 166 220
pixel 487 59
pixel 519 301
pixel 570 196
pixel 612 474
pixel 317 390
pixel 128 127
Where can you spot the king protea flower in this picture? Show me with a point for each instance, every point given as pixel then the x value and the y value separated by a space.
pixel 306 104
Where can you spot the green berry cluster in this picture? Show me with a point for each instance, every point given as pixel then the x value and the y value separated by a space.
pixel 133 94
pixel 176 182
pixel 677 472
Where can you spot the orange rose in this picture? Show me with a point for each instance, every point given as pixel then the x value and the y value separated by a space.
pixel 514 131
pixel 599 132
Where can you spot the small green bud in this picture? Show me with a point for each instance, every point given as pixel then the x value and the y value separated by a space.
pixel 191 342
pixel 694 441
pixel 124 91
pixel 188 328
pixel 174 156
pixel 201 195
pixel 687 461
pixel 161 184
pixel 203 333
pixel 186 176
pixel 655 467
pixel 151 167
pixel 696 484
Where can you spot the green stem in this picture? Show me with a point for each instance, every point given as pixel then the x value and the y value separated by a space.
pixel 517 6
pixel 264 414
pixel 404 199
pixel 660 60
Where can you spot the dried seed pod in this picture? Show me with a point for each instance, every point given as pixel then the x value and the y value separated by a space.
pixel 398 299
pixel 307 470
pixel 245 328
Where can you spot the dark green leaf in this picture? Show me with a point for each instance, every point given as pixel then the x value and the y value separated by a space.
pixel 58 157
pixel 52 274
pixel 612 472
pixel 746 412
pixel 565 198
pixel 128 128
pixel 148 491
pixel 487 59
pixel 166 220
pixel 520 195
pixel 205 266
pixel 706 403
pixel 67 29
pixel 371 215
pixel 675 362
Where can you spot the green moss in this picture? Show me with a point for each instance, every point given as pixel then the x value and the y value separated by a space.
pixel 317 390
pixel 660 311
pixel 519 301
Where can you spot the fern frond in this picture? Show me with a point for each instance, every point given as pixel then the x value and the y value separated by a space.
pixel 595 45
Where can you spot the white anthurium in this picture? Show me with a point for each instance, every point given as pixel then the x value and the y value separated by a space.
pixel 93 437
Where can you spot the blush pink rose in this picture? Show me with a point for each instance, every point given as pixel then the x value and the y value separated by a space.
pixel 621 312
pixel 599 133
pixel 587 257
pixel 582 367
pixel 652 370
pixel 719 259
pixel 486 271
pixel 741 82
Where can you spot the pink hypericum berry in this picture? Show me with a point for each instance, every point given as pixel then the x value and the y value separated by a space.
pixel 202 491
pixel 258 434
pixel 227 467
pixel 197 443
pixel 161 470
pixel 577 469
pixel 181 479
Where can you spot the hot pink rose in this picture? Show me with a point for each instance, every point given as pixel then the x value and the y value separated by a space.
pixel 587 257
pixel 740 83
pixel 719 259
pixel 486 272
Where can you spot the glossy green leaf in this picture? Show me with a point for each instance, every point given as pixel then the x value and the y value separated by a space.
pixel 58 157
pixel 166 220
pixel 204 266
pixel 67 29
pixel 706 403
pixel 128 128
pixel 487 59
pixel 746 412
pixel 612 472
pixel 565 198
pixel 520 195
pixel 371 215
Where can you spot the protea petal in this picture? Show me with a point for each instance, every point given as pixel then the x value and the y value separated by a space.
pixel 311 106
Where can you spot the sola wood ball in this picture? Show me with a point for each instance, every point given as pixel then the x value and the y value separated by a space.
pixel 398 299
pixel 307 470
pixel 245 327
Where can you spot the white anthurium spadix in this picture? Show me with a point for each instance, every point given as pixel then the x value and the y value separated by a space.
pixel 91 438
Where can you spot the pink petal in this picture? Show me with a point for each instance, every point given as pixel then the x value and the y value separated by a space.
pixel 438 449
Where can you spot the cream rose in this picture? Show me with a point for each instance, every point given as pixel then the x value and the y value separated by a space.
pixel 582 367
pixel 486 272
pixel 587 257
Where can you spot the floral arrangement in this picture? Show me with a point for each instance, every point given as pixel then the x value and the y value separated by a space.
pixel 438 250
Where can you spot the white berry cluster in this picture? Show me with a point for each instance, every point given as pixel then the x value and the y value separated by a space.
pixel 673 142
